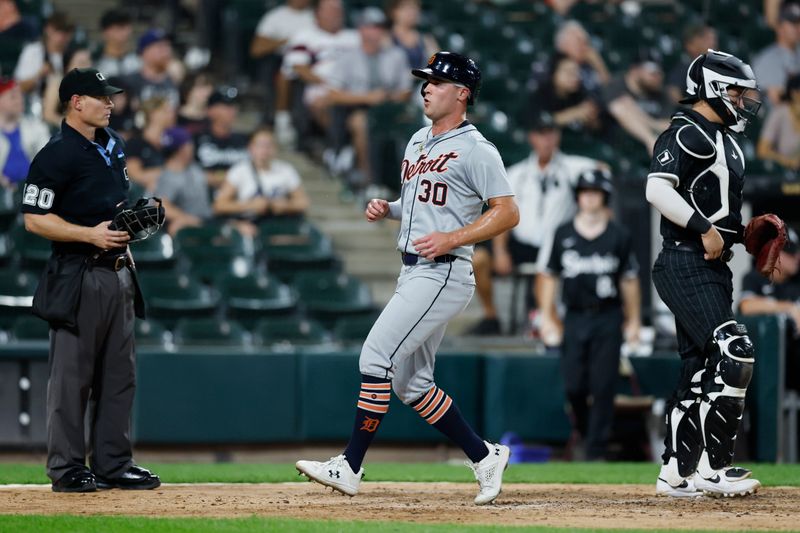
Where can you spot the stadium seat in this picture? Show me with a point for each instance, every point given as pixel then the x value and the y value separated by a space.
pixel 285 332
pixel 210 332
pixel 328 296
pixel 354 329
pixel 33 251
pixel 9 208
pixel 288 253
pixel 16 295
pixel 151 333
pixel 253 297
pixel 157 252
pixel 212 239
pixel 170 296
pixel 30 328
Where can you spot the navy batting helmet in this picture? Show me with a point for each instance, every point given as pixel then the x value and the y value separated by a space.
pixel 452 67
pixel 598 179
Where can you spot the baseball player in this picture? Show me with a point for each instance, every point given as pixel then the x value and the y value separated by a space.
pixel 448 172
pixel 695 182
pixel 88 292
pixel 592 255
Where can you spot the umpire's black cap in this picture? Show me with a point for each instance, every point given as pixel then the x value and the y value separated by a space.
pixel 85 81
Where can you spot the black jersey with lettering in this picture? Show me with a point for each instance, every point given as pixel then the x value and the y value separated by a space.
pixel 591 270
pixel 706 166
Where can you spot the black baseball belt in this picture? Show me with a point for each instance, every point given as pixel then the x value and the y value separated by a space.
pixel 695 247
pixel 413 259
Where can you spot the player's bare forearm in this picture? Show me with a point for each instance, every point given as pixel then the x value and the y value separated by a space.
pixel 547 286
pixel 500 242
pixel 757 305
pixel 501 216
pixel 631 300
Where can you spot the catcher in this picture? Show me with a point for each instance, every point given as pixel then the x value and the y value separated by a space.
pixel 695 182
pixel 88 290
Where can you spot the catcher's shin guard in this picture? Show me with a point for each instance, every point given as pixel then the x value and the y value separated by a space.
pixel 684 440
pixel 730 367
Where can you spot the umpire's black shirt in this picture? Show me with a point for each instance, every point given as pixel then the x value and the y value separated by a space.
pixel 81 181
pixel 685 154
pixel 591 269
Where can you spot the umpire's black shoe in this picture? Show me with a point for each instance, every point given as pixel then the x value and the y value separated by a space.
pixel 134 478
pixel 76 480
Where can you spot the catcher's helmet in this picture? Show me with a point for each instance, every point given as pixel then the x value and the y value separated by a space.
pixel 598 179
pixel 708 79
pixel 452 67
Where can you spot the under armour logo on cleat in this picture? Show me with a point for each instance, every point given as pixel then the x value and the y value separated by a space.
pixel 497 451
pixel 334 473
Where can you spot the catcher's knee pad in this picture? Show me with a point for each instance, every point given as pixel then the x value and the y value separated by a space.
pixel 730 368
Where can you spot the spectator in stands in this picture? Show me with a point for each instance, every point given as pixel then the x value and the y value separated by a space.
pixel 21 137
pixel 572 40
pixel 374 73
pixel 543 185
pixel 564 97
pixel 144 151
pixel 122 115
pixel 780 137
pixel 75 56
pixel 15 32
pixel 41 58
pixel 638 102
pixel 781 295
pixel 270 42
pixel 218 146
pixel 182 184
pixel 195 90
pixel 261 186
pixel 154 77
pixel 115 57
pixel 418 46
pixel 312 57
pixel 697 39
pixel 774 64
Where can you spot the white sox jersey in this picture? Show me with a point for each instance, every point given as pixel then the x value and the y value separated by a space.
pixel 445 180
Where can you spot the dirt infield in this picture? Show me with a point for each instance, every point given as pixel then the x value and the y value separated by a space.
pixel 598 506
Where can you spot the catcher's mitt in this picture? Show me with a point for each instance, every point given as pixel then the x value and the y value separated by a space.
pixel 142 220
pixel 764 238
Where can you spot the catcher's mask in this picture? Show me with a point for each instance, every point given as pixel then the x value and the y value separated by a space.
pixel 142 220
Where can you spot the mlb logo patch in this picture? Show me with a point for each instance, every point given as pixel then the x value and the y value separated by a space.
pixel 665 157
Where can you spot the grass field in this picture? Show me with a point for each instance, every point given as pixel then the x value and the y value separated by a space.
pixel 562 473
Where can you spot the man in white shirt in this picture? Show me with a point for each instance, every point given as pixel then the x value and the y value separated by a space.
pixel 544 187
pixel 45 56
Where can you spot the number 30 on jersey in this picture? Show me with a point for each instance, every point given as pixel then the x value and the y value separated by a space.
pixel 35 196
pixel 436 193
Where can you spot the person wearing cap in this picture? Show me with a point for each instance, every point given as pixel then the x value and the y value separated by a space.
pixel 43 57
pixel 592 257
pixel 774 64
pixel 543 184
pixel 182 184
pixel 88 293
pixel 155 77
pixel 638 101
pixel 697 38
pixel 21 136
pixel 115 57
pixel 373 74
pixel 779 296
pixel 219 147
pixel 779 139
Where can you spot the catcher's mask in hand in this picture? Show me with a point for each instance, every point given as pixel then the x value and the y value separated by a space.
pixel 142 220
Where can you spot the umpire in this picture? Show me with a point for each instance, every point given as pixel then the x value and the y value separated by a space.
pixel 593 255
pixel 88 292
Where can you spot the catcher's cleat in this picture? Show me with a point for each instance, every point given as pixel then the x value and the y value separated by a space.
pixel 489 472
pixel 334 473
pixel 727 483
pixel 686 489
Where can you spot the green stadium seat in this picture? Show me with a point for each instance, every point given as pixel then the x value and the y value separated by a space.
pixel 30 328
pixel 250 298
pixel 288 332
pixel 354 329
pixel 6 249
pixel 212 239
pixel 209 267
pixel 16 295
pixel 328 296
pixel 308 249
pixel 170 296
pixel 157 252
pixel 33 251
pixel 151 333
pixel 210 332
pixel 9 208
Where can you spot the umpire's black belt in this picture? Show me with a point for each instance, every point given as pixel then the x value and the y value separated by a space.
pixel 114 262
pixel 413 259
pixel 695 247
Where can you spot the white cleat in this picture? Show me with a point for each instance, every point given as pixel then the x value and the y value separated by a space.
pixel 334 473
pixel 721 485
pixel 686 489
pixel 489 472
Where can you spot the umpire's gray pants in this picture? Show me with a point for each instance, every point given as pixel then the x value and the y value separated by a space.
pixel 95 365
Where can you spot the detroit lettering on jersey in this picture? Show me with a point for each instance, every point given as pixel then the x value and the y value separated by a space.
pixel 423 165
pixel 574 264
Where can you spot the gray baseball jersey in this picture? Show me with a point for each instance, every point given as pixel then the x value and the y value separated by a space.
pixel 445 181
